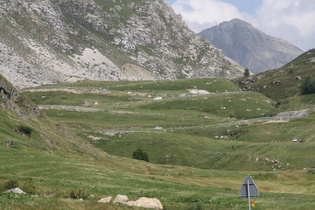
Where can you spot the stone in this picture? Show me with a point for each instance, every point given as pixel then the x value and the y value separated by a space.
pixel 105 200
pixel 16 190
pixel 151 203
pixel 121 199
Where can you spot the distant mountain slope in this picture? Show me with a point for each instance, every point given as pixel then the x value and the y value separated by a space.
pixel 284 82
pixel 48 41
pixel 249 46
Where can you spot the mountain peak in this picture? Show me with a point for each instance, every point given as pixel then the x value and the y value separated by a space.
pixel 249 46
pixel 238 21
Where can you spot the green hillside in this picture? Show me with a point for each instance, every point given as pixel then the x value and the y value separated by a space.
pixel 284 82
pixel 121 117
pixel 200 147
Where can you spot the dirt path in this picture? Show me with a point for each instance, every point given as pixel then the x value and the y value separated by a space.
pixel 69 108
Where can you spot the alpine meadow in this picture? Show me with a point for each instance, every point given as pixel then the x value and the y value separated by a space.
pixel 103 99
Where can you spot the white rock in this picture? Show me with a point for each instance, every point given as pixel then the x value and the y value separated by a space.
pixel 105 200
pixel 16 190
pixel 152 203
pixel 121 199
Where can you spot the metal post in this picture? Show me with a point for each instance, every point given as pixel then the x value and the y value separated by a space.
pixel 248 194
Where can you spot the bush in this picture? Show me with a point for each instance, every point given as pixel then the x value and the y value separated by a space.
pixel 25 130
pixel 140 155
pixel 79 195
pixel 308 86
pixel 10 184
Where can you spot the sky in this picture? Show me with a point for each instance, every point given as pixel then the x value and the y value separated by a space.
pixel 292 20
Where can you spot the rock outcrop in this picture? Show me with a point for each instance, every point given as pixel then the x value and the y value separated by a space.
pixel 12 100
pixel 48 41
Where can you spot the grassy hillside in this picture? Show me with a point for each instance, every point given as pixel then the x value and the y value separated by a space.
pixel 284 82
pixel 200 148
pixel 217 129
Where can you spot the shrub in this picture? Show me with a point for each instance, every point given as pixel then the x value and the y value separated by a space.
pixel 308 86
pixel 10 184
pixel 140 155
pixel 25 130
pixel 79 195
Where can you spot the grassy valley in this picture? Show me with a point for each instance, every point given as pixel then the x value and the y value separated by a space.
pixel 200 147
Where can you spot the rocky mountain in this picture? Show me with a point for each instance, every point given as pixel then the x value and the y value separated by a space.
pixel 51 41
pixel 249 46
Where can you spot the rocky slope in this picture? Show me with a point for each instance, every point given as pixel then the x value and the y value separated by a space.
pixel 50 41
pixel 249 46
pixel 12 101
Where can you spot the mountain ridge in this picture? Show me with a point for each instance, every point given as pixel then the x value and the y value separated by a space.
pixel 249 46
pixel 50 41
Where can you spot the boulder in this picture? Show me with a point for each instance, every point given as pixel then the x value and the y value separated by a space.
pixel 105 200
pixel 16 190
pixel 198 92
pixel 121 199
pixel 151 203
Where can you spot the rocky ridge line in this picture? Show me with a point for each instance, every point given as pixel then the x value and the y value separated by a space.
pixel 50 41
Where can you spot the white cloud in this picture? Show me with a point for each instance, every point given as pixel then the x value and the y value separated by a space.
pixel 292 20
pixel 202 14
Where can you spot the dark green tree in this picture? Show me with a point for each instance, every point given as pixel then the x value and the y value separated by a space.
pixel 246 72
pixel 140 155
pixel 308 86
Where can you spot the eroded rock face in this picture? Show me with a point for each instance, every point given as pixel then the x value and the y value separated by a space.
pixel 38 45
pixel 7 91
pixel 14 101
pixel 135 72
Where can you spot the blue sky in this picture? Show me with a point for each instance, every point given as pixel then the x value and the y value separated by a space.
pixel 248 6
pixel 292 20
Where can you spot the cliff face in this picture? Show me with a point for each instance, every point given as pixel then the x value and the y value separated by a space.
pixel 48 41
pixel 250 47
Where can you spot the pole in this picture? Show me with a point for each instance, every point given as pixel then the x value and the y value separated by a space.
pixel 248 194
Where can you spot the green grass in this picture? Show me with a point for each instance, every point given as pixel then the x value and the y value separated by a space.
pixel 283 83
pixel 297 103
pixel 209 84
pixel 198 158
pixel 234 105
pixel 51 179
